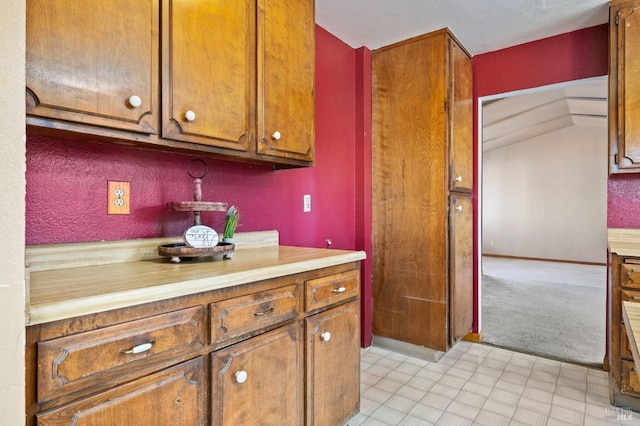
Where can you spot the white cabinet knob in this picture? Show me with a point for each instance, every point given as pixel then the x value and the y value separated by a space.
pixel 459 208
pixel 135 101
pixel 190 115
pixel 241 376
pixel 459 179
pixel 326 336
pixel 276 135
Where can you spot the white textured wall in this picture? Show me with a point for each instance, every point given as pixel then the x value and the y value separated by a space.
pixel 547 197
pixel 12 205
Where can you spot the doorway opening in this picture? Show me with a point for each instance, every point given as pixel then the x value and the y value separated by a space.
pixel 542 219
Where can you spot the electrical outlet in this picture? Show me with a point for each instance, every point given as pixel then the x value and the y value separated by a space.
pixel 307 203
pixel 118 197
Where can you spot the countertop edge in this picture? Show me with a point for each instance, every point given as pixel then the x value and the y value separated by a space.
pixel 624 241
pixel 44 313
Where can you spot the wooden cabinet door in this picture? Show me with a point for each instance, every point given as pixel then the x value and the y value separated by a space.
pixel 625 75
pixel 173 396
pixel 260 380
pixel 333 365
pixel 207 71
pixel 85 61
pixel 410 165
pixel 461 267
pixel 286 70
pixel 460 119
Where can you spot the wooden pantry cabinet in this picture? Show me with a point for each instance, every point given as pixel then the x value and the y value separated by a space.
pixel 234 79
pixel 284 350
pixel 624 86
pixel 422 179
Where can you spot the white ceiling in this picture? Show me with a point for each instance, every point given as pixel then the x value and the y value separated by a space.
pixel 480 25
pixel 486 26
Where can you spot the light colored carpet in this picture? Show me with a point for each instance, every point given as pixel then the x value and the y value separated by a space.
pixel 549 309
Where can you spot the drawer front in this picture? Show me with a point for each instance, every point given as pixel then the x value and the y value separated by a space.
pixel 630 384
pixel 630 275
pixel 324 291
pixel 70 363
pixel 174 396
pixel 629 296
pixel 246 314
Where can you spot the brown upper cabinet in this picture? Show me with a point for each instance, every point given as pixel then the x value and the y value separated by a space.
pixel 624 87
pixel 93 64
pixel 207 71
pixel 232 78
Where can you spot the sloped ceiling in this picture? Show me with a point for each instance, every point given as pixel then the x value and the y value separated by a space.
pixel 517 118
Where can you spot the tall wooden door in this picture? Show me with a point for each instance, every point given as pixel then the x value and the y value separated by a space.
pixel 460 266
pixel 410 187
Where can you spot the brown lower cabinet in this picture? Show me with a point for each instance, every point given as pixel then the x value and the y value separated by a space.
pixel 624 285
pixel 284 351
pixel 258 382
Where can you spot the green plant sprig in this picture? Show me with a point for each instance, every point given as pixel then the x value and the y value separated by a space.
pixel 231 222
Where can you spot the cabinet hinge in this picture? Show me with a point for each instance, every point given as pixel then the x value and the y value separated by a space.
pixel 617 19
pixel 615 158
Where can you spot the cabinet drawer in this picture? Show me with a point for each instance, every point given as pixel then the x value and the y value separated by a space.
pixel 630 275
pixel 175 395
pixel 242 315
pixel 629 296
pixel 71 363
pixel 321 292
pixel 629 379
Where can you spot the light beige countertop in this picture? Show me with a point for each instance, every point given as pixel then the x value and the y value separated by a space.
pixel 58 292
pixel 624 242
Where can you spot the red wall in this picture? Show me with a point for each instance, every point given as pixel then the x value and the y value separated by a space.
pixel 566 57
pixel 67 180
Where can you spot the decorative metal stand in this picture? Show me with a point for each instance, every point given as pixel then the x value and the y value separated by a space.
pixel 180 250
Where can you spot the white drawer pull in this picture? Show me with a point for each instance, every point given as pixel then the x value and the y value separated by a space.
pixel 241 376
pixel 326 336
pixel 339 290
pixel 190 115
pixel 268 311
pixel 459 179
pixel 276 135
pixel 139 348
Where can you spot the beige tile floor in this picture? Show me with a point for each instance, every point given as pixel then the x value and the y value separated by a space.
pixel 475 384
